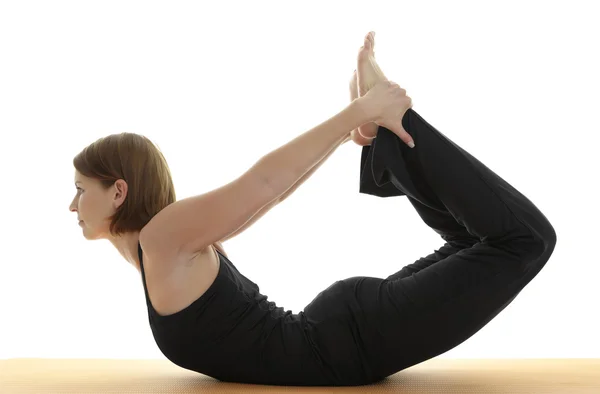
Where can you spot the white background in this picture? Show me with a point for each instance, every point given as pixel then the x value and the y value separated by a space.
pixel 217 85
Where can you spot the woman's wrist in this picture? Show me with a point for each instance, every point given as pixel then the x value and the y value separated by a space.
pixel 363 110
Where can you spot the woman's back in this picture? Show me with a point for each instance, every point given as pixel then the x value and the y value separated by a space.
pixel 233 333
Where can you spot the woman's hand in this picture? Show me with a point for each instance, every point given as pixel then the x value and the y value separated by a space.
pixel 386 103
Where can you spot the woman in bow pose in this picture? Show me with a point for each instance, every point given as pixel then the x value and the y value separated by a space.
pixel 207 316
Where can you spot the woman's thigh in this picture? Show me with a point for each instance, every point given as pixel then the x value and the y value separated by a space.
pixel 417 317
pixel 370 328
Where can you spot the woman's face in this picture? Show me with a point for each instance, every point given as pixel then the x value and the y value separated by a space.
pixel 92 205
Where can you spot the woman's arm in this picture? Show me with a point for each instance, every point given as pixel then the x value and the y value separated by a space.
pixel 288 192
pixel 283 167
pixel 315 168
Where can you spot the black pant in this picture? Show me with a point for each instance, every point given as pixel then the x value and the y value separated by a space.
pixel 496 242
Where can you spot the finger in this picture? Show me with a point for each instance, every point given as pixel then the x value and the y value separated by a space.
pixel 396 128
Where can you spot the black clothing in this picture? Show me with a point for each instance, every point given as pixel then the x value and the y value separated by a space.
pixel 361 329
pixel 232 333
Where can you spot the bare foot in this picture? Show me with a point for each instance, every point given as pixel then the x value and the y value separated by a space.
pixel 354 135
pixel 369 74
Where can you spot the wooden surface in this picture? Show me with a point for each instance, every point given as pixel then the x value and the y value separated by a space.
pixel 438 375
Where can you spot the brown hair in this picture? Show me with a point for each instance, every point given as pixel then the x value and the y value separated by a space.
pixel 136 160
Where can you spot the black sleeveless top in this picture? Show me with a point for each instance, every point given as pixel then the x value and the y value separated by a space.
pixel 233 333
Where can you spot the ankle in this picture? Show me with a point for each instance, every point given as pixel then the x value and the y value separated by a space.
pixel 369 130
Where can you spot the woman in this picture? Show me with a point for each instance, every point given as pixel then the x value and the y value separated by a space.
pixel 208 317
